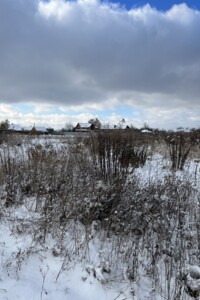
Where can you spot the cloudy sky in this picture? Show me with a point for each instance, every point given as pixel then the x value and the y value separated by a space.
pixel 67 61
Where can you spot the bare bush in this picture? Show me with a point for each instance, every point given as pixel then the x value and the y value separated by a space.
pixel 83 190
pixel 114 152
pixel 179 145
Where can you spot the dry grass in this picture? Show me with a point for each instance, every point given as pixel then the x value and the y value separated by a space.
pixel 82 188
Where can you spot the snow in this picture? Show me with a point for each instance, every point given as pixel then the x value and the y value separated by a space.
pixel 194 272
pixel 28 128
pixel 15 127
pixel 87 265
pixel 84 125
pixel 146 131
pixel 41 129
pixel 29 272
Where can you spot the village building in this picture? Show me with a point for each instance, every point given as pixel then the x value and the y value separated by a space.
pixel 84 127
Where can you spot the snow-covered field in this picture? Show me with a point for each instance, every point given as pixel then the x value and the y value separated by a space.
pixel 65 233
pixel 33 271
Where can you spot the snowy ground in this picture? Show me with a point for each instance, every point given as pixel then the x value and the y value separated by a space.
pixel 81 262
pixel 30 270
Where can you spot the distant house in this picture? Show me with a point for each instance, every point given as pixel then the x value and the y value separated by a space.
pixel 146 130
pixel 84 127
pixel 120 126
pixel 14 128
pixel 39 130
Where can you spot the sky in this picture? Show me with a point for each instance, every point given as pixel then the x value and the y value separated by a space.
pixel 70 61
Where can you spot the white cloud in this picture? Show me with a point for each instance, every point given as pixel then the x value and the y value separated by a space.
pixel 57 121
pixel 88 55
pixel 54 8
pixel 6 109
pixel 104 105
pixel 41 108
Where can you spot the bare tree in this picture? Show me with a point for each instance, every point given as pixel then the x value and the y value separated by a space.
pixel 4 125
pixel 69 127
pixel 96 122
